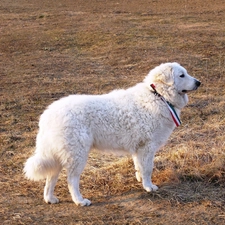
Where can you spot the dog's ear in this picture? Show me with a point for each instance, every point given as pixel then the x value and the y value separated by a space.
pixel 164 75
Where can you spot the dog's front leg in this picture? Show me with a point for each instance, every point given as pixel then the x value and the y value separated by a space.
pixel 147 174
pixel 144 162
pixel 137 168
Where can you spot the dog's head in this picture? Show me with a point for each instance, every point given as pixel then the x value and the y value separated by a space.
pixel 172 80
pixel 182 80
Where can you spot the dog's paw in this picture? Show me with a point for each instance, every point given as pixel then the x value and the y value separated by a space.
pixel 151 187
pixel 85 202
pixel 52 200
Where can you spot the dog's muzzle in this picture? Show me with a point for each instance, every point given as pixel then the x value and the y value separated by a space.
pixel 197 84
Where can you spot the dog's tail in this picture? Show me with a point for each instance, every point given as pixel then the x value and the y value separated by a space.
pixel 38 167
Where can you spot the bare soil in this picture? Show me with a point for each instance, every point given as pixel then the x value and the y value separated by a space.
pixel 50 49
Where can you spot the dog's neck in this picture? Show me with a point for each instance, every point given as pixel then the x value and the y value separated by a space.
pixel 177 100
pixel 174 115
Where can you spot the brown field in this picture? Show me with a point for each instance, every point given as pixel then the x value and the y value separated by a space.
pixel 50 49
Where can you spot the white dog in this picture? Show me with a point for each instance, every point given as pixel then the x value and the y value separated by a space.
pixel 138 120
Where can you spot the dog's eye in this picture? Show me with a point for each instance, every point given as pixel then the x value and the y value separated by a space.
pixel 182 75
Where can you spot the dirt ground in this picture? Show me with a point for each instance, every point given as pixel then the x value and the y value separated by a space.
pixel 50 49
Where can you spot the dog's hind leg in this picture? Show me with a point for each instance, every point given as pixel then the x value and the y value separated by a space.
pixel 50 186
pixel 73 184
pixel 74 170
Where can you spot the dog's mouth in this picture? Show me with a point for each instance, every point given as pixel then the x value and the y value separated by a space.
pixel 186 91
pixel 197 84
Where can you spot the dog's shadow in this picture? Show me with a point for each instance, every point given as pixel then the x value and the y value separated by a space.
pixel 184 192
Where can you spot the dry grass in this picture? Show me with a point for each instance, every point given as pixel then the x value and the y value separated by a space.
pixel 51 49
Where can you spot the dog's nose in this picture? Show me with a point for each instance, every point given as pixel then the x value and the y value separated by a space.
pixel 198 83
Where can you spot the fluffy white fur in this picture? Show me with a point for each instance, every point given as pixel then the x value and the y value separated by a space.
pixel 133 120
